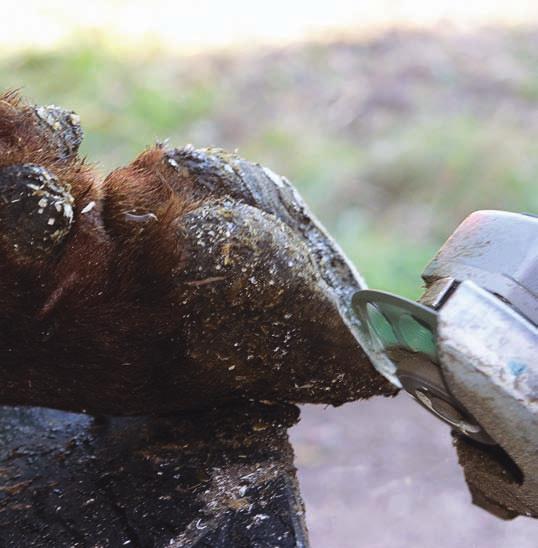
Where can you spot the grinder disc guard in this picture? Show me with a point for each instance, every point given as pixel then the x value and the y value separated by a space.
pixel 404 332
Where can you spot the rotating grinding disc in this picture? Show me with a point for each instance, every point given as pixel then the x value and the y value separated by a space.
pixel 404 333
pixel 422 379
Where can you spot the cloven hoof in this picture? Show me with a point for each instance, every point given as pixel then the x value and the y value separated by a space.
pixel 187 279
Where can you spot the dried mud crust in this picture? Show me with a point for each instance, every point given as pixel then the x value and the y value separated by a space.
pixel 213 479
pixel 496 483
pixel 187 279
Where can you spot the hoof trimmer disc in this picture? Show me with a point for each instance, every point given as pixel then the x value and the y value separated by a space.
pixel 406 332
pixel 468 352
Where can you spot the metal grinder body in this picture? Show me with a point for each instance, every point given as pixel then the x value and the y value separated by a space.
pixel 468 350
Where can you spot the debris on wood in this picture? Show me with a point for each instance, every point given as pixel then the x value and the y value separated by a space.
pixel 212 479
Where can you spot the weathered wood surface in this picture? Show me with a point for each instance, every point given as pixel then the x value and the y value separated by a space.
pixel 222 478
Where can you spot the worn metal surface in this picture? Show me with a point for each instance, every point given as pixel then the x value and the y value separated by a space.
pixel 219 479
pixel 498 250
pixel 491 367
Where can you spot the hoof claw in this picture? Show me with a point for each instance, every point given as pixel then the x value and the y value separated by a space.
pixel 36 211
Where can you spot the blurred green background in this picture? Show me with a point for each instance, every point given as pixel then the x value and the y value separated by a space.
pixel 392 139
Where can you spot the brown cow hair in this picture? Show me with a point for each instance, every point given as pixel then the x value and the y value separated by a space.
pixel 186 279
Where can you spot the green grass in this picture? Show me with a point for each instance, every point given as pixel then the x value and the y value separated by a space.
pixel 390 197
pixel 125 103
pixel 393 203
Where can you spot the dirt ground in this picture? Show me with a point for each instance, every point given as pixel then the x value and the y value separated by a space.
pixel 383 474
